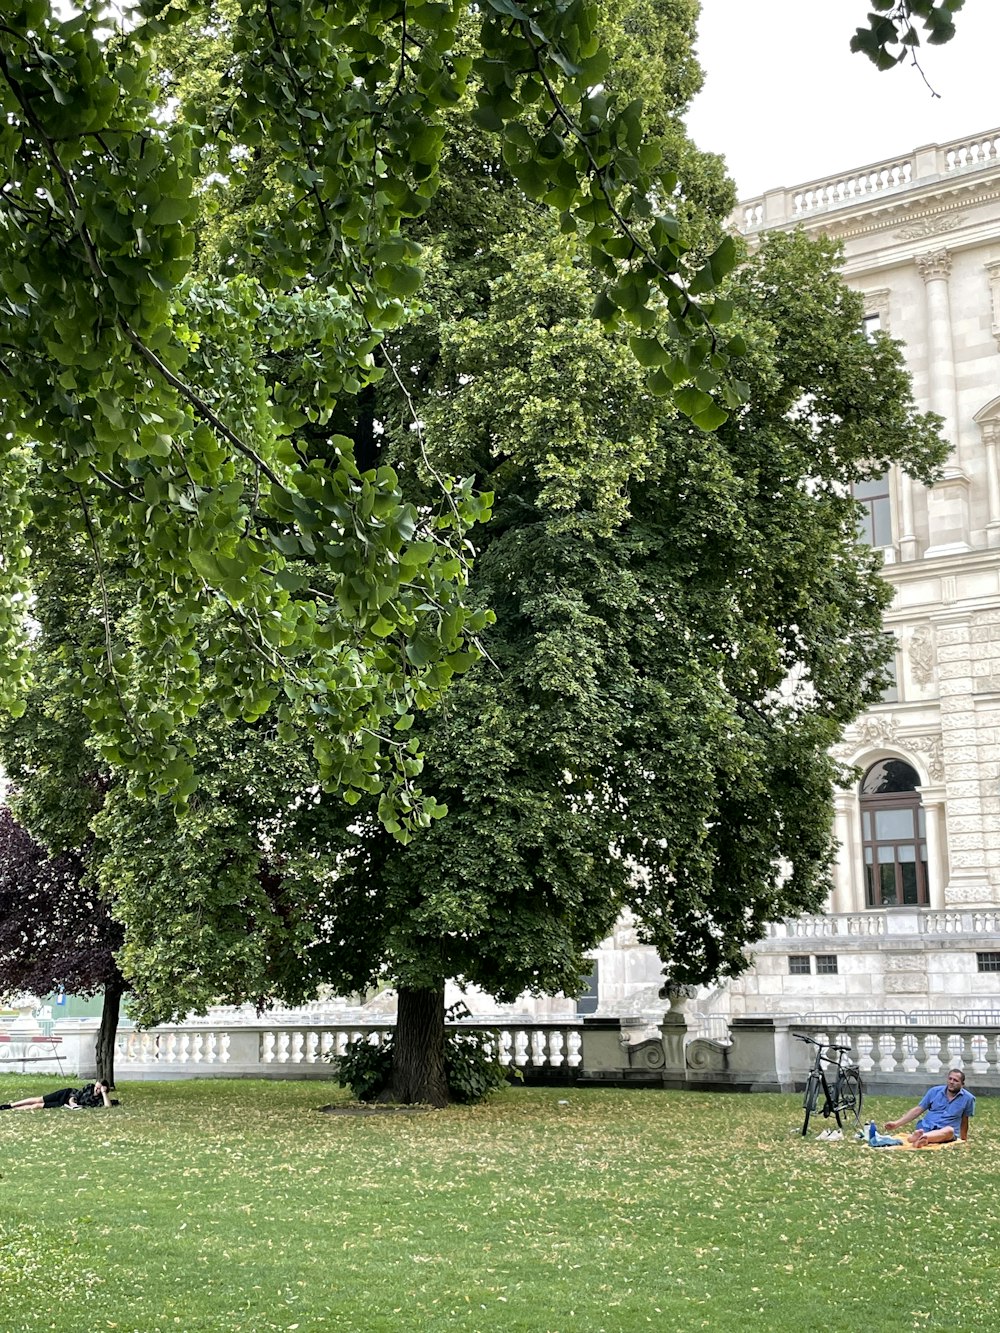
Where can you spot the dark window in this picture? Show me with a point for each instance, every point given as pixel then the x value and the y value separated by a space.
pixel 893 835
pixel 799 964
pixel 889 694
pixel 890 691
pixel 875 519
pixel 826 964
pixel 988 962
pixel 586 1001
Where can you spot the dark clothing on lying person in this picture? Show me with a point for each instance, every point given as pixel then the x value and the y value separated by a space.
pixel 82 1096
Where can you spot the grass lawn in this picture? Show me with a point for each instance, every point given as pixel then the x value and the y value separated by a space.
pixel 229 1206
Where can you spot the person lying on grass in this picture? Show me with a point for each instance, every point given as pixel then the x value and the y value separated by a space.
pixel 946 1110
pixel 76 1099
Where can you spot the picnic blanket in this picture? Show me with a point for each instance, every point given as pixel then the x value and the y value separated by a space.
pixel 884 1141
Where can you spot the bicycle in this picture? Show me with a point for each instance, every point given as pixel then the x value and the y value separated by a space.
pixel 842 1096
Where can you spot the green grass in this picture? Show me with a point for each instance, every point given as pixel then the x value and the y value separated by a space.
pixel 229 1206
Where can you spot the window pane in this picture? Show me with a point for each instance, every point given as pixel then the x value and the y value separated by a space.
pixel 908 874
pixel 870 886
pixel 906 853
pixel 866 826
pixel 887 884
pixel 893 824
pixel 871 490
pixel 881 522
pixel 889 775
pixel 869 856
pixel 922 822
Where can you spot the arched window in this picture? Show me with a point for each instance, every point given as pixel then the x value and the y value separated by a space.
pixel 893 834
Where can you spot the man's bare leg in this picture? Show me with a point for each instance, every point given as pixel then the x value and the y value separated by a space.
pixel 921 1138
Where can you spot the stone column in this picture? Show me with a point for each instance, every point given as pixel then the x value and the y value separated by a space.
pixel 848 888
pixel 968 882
pixel 932 799
pixel 948 501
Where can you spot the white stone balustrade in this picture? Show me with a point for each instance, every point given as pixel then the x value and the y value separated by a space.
pixel 800 202
pixel 896 1057
pixel 274 1050
pixel 978 922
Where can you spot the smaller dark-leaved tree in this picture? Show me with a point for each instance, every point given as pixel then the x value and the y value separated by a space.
pixel 55 930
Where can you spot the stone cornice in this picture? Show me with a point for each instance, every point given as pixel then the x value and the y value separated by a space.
pixel 911 206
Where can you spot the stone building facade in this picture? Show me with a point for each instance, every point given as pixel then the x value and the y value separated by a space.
pixel 913 923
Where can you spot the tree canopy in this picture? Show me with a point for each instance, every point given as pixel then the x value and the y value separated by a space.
pixel 665 627
pixel 56 931
pixel 182 424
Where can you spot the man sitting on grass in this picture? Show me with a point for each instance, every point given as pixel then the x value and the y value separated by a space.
pixel 76 1099
pixel 946 1110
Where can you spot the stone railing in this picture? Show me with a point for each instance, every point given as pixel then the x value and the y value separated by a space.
pixel 550 1051
pixel 896 1058
pixel 801 202
pixel 899 1054
pixel 885 922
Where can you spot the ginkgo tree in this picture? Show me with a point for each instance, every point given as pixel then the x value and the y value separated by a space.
pixel 182 426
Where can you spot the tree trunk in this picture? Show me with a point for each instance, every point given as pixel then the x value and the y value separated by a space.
pixel 108 1031
pixel 418 1069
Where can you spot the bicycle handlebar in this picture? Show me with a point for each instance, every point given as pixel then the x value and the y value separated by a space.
pixel 846 1050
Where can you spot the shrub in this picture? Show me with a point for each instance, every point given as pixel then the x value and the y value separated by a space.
pixel 365 1068
pixel 471 1065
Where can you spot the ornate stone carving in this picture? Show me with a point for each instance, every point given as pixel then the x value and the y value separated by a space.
pixel 932 226
pixel 934 264
pixel 882 730
pixel 647 1055
pixel 877 303
pixel 922 654
pixel 929 746
pixel 707 1056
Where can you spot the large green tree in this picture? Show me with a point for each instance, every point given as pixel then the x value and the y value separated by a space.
pixel 684 621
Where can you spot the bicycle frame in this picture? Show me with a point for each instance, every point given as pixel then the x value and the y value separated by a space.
pixel 842 1096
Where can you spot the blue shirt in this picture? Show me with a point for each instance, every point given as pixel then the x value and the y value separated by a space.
pixel 944 1112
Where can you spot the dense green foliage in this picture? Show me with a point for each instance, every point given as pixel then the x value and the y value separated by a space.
pixel 560 1209
pixel 684 620
pixel 180 422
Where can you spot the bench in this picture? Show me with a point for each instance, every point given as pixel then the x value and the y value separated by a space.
pixel 30 1050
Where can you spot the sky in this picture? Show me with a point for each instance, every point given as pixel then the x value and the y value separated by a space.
pixel 785 101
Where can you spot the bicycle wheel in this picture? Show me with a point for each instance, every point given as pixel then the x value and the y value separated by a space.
pixel 809 1100
pixel 851 1096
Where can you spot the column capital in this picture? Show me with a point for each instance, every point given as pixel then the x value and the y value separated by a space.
pixel 934 264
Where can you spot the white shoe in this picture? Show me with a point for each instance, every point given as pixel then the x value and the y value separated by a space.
pixel 833 1135
pixel 824 1134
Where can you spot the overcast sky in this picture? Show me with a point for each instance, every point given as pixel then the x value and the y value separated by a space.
pixel 786 102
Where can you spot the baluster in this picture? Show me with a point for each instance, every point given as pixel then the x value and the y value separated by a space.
pixel 909 1043
pixel 521 1048
pixel 886 1052
pixel 980 1050
pixel 557 1045
pixel 574 1046
pixel 267 1048
pixel 506 1052
pixel 932 1052
pixel 955 1045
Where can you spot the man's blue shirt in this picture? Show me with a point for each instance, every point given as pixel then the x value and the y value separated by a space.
pixel 943 1112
